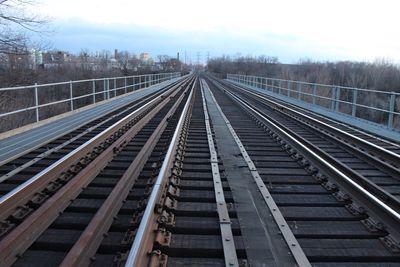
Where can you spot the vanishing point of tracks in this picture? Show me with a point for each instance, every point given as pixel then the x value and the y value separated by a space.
pixel 203 173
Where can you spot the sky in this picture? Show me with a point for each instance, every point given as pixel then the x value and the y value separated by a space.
pixel 287 29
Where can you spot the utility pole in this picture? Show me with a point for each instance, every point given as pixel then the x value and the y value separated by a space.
pixel 198 58
pixel 208 59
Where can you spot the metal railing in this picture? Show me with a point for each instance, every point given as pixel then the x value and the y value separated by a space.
pixel 377 106
pixel 41 101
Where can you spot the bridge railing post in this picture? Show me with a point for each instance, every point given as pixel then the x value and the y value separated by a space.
pixel 333 97
pixel 125 87
pixel 280 87
pixel 314 94
pixel 392 102
pixel 299 90
pixel 108 88
pixel 104 89
pixel 94 90
pixel 288 88
pixel 115 87
pixel 71 95
pixel 337 99
pixel 354 103
pixel 37 102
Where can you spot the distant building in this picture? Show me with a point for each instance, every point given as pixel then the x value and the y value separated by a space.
pixel 19 61
pixel 146 60
pixel 145 56
pixel 38 57
pixel 3 61
pixel 55 58
pixel 35 59
pixel 113 64
pixel 116 53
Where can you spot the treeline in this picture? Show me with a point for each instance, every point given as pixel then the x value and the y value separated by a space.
pixel 27 76
pixel 379 75
pixel 58 66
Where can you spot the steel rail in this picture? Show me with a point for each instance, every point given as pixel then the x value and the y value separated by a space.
pixel 380 151
pixel 20 238
pixel 138 250
pixel 24 192
pixel 381 210
pixel 228 243
pixel 373 188
pixel 334 137
pixel 89 241
pixel 291 241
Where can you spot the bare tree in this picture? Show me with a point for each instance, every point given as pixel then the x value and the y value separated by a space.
pixel 163 60
pixel 15 22
pixel 123 58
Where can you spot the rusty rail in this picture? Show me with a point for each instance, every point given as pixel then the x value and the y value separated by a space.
pixel 91 238
pixel 25 233
pixel 146 234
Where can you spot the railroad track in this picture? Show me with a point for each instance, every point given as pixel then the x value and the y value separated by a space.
pixel 203 174
pixel 374 167
pixel 59 183
pixel 357 136
pixel 357 227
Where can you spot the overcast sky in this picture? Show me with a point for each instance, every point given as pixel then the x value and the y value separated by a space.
pixel 288 29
